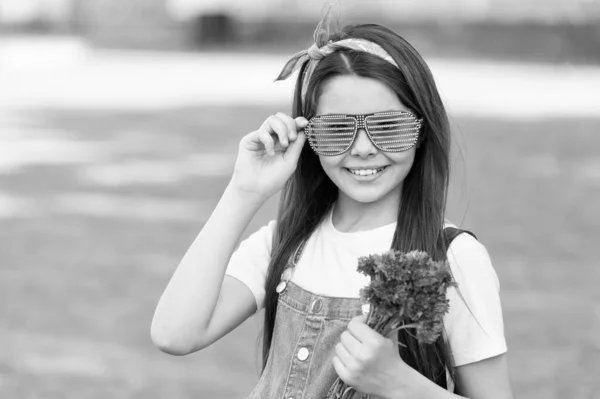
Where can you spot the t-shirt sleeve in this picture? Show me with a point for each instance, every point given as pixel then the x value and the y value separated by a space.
pixel 474 324
pixel 250 262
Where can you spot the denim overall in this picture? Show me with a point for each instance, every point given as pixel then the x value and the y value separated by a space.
pixel 307 328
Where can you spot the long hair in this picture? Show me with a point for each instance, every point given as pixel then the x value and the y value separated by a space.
pixel 309 194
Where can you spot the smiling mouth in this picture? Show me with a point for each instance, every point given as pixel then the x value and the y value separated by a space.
pixel 366 172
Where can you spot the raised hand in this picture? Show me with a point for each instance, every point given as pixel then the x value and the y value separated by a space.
pixel 267 157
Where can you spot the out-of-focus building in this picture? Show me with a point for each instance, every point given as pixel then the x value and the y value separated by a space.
pixel 404 10
pixel 36 14
pixel 128 23
pixel 153 13
pixel 447 26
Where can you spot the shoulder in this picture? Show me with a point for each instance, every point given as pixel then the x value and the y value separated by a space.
pixel 261 238
pixel 465 244
pixel 268 229
pixel 469 258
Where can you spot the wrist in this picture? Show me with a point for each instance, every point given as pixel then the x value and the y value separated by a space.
pixel 243 198
pixel 415 386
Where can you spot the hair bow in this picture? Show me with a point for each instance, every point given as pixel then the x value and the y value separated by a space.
pixel 322 36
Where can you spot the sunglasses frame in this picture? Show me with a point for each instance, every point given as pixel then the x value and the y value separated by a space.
pixel 361 123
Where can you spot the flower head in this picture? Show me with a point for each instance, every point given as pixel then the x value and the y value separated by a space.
pixel 407 289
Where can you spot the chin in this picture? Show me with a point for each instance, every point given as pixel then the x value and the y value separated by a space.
pixel 365 196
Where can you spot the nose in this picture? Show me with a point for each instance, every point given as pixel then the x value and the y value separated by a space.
pixel 362 146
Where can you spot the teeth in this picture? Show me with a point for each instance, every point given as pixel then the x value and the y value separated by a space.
pixel 365 172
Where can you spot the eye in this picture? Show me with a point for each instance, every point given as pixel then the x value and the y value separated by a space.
pixel 340 126
pixel 391 124
pixel 334 124
pixel 385 126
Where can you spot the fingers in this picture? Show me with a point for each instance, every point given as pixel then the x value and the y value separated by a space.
pixel 298 140
pixel 272 126
pixel 278 131
pixel 293 125
pixel 293 151
pixel 350 343
pixel 363 333
pixel 267 141
pixel 285 127
pixel 291 133
pixel 342 353
pixel 300 123
pixel 279 125
pixel 341 370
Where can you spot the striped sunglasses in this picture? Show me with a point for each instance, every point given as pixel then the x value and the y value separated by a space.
pixel 392 131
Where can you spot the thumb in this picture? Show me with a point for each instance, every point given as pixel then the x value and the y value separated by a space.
pixel 301 122
pixel 293 151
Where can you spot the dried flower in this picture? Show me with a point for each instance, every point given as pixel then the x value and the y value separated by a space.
pixel 407 290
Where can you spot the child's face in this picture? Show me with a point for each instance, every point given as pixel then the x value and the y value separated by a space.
pixel 352 95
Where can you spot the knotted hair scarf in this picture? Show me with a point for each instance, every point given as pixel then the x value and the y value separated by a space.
pixel 322 47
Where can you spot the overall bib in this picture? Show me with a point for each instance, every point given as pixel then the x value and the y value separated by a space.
pixel 307 328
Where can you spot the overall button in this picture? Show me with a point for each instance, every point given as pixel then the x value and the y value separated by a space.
pixel 303 354
pixel 281 287
pixel 316 306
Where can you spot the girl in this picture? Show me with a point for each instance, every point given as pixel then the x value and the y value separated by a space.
pixel 370 174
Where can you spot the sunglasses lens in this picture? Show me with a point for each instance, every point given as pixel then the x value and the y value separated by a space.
pixel 330 135
pixel 393 132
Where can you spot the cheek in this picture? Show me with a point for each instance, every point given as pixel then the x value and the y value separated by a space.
pixel 330 163
pixel 406 159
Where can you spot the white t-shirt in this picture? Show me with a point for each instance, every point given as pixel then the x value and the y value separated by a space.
pixel 328 267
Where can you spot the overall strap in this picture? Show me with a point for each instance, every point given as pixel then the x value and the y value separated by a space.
pixel 298 252
pixel 450 233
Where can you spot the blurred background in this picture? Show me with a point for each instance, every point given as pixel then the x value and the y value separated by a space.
pixel 119 125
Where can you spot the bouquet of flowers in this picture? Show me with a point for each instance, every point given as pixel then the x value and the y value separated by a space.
pixel 407 290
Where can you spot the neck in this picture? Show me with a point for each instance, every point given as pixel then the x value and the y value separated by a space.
pixel 351 216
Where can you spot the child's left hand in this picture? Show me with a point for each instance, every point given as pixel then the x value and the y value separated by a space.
pixel 370 362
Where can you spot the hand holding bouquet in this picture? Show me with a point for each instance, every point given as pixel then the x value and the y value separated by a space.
pixel 407 290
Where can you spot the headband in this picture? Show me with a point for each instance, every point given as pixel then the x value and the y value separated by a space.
pixel 323 47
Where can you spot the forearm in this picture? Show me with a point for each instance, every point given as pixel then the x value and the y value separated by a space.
pixel 421 388
pixel 189 299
